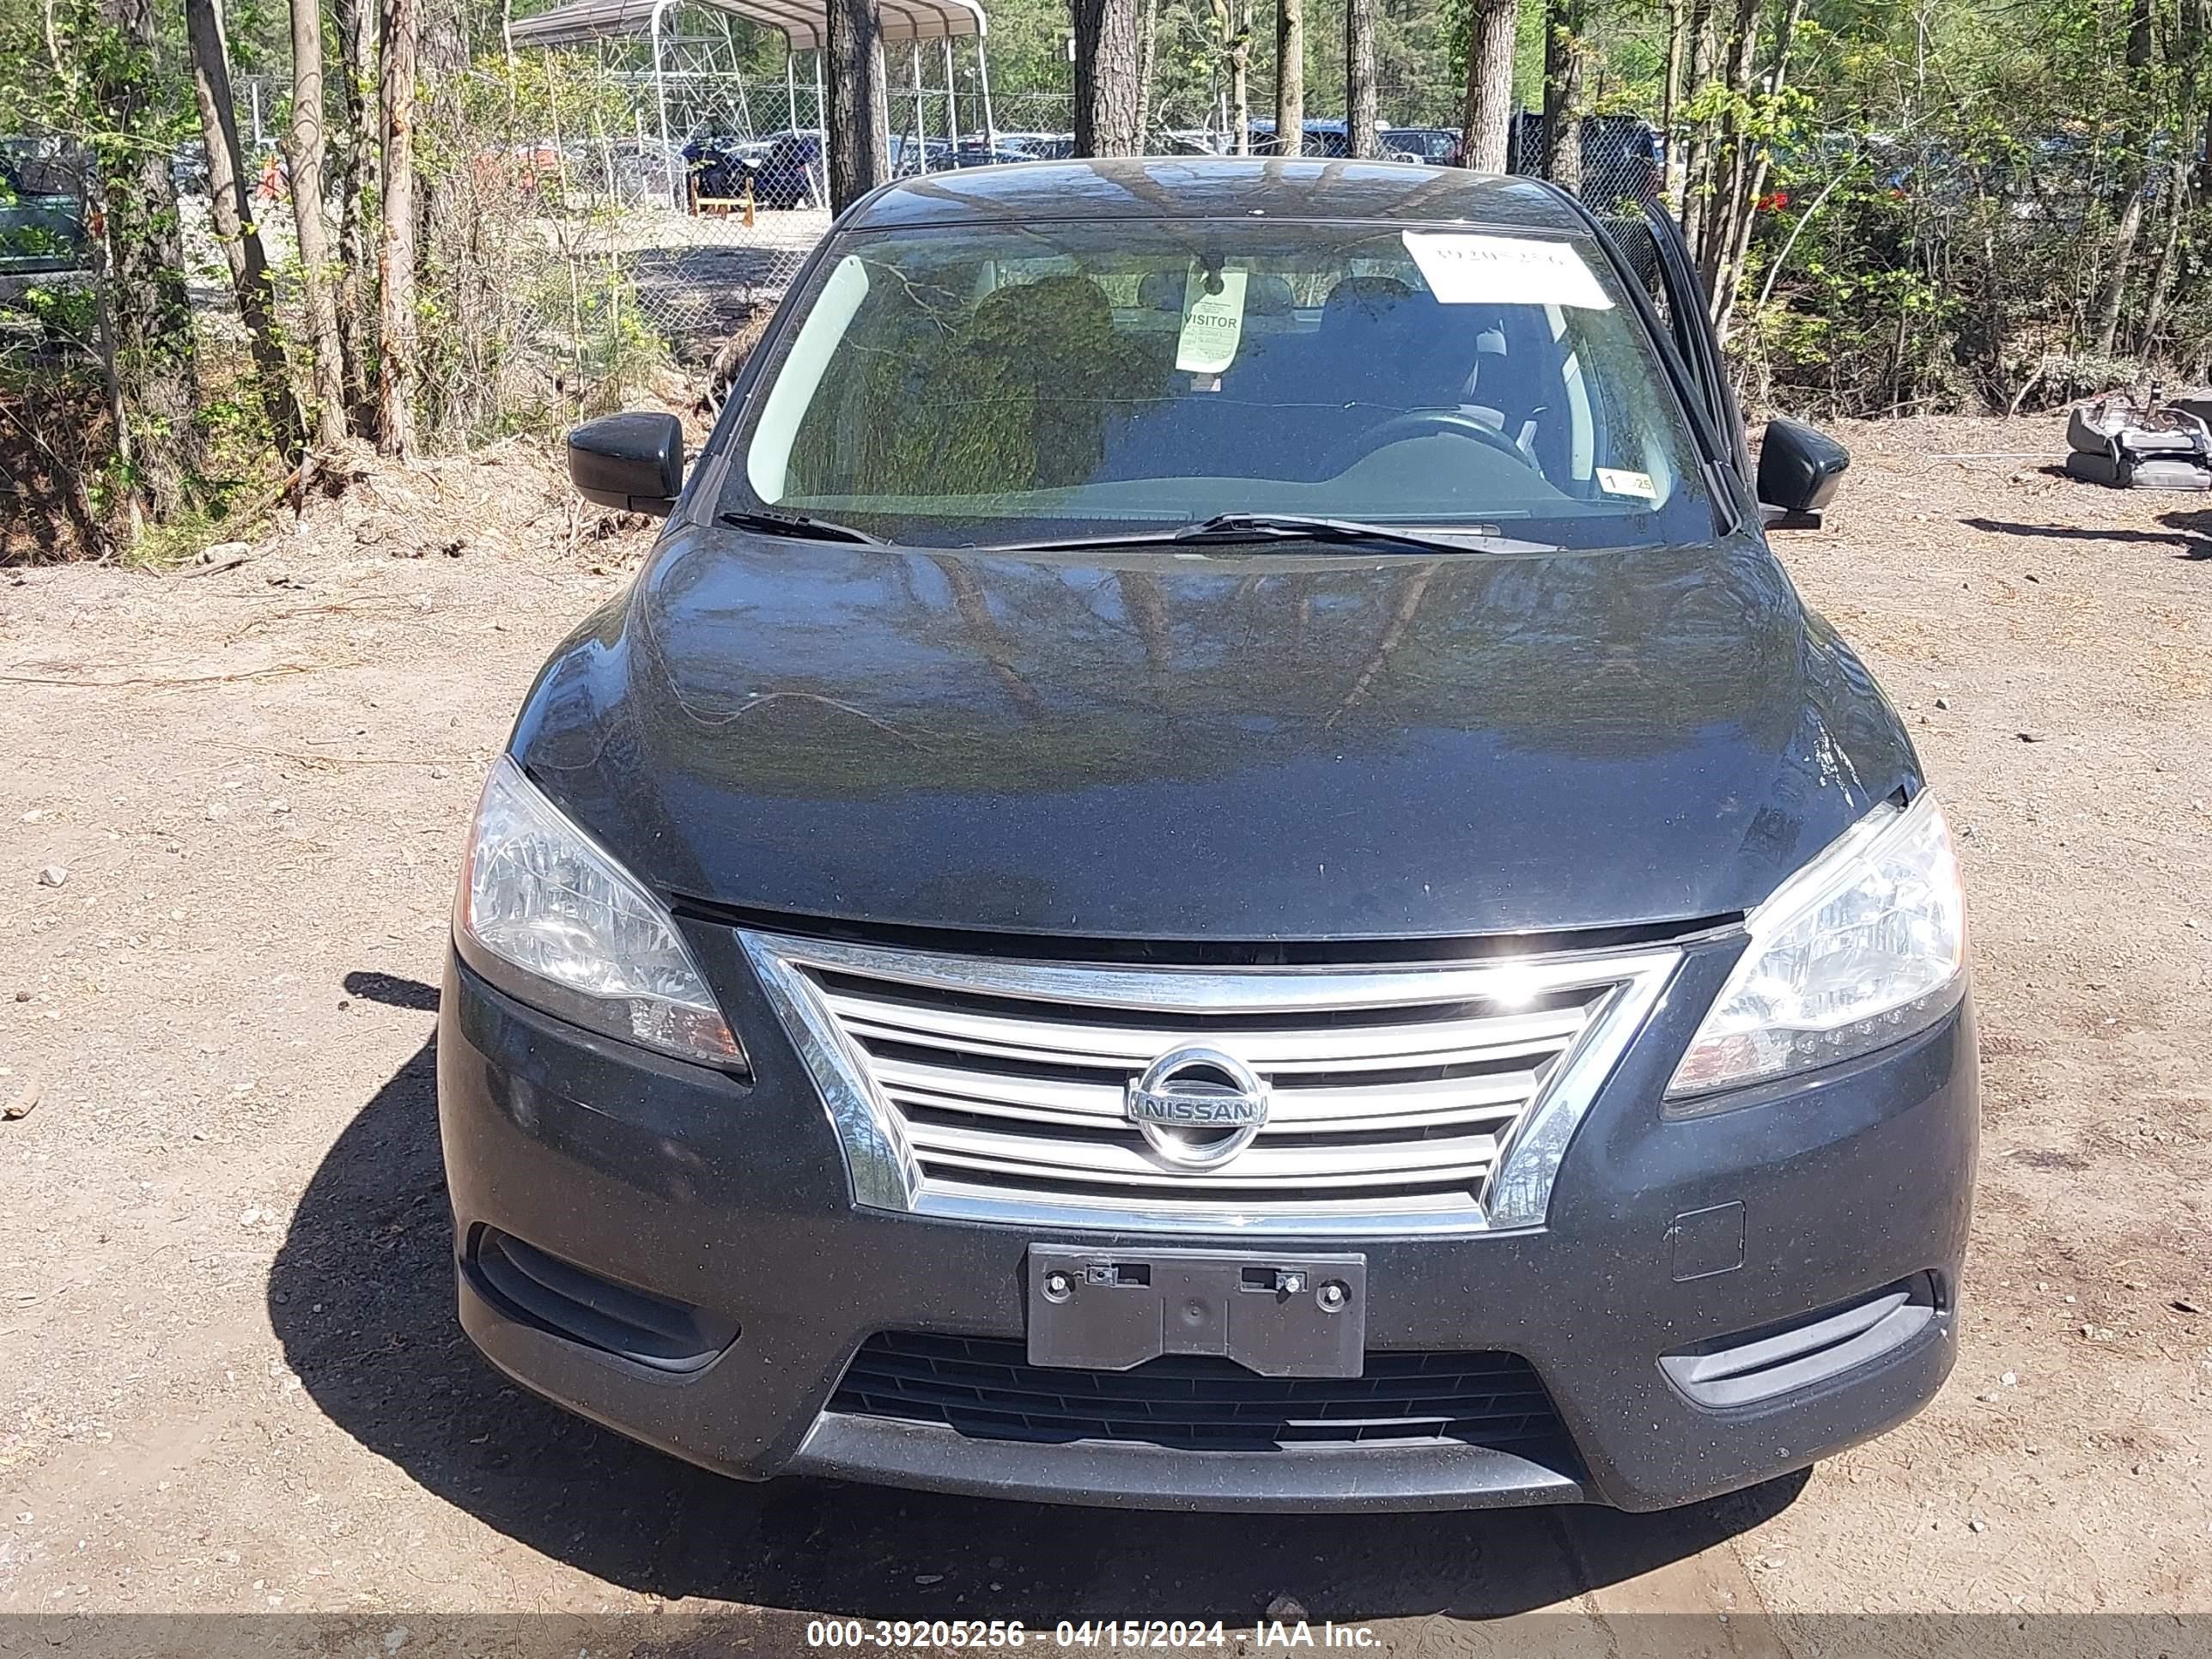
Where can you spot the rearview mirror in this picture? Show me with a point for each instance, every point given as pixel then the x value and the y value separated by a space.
pixel 1798 471
pixel 633 462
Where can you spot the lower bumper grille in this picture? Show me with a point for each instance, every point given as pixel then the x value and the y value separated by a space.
pixel 986 1390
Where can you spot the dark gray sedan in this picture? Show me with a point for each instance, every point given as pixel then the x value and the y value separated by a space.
pixel 1213 868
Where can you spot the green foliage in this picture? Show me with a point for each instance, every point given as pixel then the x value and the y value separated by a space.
pixel 1960 204
pixel 1972 168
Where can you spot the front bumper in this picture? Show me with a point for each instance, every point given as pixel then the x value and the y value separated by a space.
pixel 731 1197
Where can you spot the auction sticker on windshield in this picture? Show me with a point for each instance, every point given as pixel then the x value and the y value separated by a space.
pixel 1468 269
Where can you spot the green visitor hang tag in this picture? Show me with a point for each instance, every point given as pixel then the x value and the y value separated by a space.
pixel 1213 324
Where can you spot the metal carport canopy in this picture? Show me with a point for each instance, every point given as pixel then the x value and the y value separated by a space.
pixel 804 27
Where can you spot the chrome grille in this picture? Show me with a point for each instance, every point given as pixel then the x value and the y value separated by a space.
pixel 1427 1097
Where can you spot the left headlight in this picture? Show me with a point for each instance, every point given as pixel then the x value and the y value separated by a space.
pixel 1864 945
pixel 569 930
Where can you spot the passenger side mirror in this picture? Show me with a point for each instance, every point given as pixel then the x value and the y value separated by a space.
pixel 1798 471
pixel 633 462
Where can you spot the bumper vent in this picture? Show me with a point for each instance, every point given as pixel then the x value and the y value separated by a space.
pixel 565 1300
pixel 1434 1097
pixel 986 1390
pixel 1756 1366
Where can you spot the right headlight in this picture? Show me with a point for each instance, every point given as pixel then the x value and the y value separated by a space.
pixel 549 916
pixel 1864 945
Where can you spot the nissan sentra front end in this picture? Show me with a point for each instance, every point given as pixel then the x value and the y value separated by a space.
pixel 1066 946
pixel 1492 1228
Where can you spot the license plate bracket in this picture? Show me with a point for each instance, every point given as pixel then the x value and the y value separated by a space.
pixel 1279 1314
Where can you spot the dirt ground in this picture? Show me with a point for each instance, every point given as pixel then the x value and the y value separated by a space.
pixel 233 1379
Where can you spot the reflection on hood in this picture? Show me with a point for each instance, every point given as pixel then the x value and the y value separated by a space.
pixel 1255 743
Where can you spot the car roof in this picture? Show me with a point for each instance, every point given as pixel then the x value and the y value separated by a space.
pixel 1217 187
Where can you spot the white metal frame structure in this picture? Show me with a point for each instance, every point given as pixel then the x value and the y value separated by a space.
pixel 689 57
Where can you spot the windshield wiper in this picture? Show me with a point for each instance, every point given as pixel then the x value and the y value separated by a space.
pixel 798 524
pixel 1236 528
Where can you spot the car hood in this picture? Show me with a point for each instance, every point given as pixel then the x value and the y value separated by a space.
pixel 1225 745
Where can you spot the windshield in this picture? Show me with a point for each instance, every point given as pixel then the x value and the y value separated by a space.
pixel 996 383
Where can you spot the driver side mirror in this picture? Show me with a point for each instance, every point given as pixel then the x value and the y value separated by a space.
pixel 631 462
pixel 1799 469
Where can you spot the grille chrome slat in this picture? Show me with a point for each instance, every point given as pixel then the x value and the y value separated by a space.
pixel 1142 1210
pixel 1311 1110
pixel 1261 1167
pixel 1415 1097
pixel 1442 1042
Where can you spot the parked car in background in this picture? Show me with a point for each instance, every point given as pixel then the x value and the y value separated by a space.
pixel 1437 146
pixel 909 158
pixel 42 213
pixel 718 169
pixel 629 172
pixel 784 169
pixel 1047 146
pixel 991 156
pixel 1194 141
pixel 1214 867
pixel 794 172
pixel 1321 138
pixel 188 169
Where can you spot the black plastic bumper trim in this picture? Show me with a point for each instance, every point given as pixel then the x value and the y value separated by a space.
pixel 567 1301
pixel 1370 1480
pixel 1751 1366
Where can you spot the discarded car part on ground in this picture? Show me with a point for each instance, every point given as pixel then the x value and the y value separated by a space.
pixel 2154 444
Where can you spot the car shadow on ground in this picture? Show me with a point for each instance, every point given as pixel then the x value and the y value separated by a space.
pixel 2190 533
pixel 362 1297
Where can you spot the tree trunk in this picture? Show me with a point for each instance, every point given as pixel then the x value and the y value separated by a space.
pixel 1729 160
pixel 2161 280
pixel 1148 53
pixel 318 271
pixel 1290 78
pixel 2193 51
pixel 858 122
pixel 232 212
pixel 395 248
pixel 149 314
pixel 1106 77
pixel 1723 293
pixel 1240 75
pixel 356 170
pixel 1359 78
pixel 2109 301
pixel 1489 120
pixel 1670 99
pixel 1562 95
pixel 2140 53
pixel 1697 138
pixel 466 270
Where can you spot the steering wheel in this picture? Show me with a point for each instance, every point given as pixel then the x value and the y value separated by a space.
pixel 1421 423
